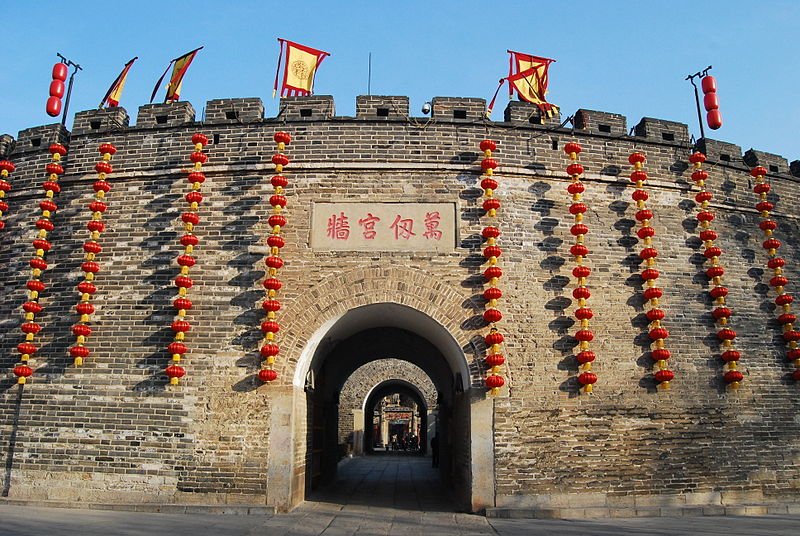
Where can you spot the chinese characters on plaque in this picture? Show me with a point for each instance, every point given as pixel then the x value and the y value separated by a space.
pixel 383 227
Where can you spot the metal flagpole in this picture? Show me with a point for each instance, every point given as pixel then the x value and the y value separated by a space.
pixel 76 68
pixel 690 78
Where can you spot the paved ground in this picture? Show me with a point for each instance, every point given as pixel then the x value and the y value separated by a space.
pixel 386 495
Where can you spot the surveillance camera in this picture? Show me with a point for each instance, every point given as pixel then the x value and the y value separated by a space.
pixel 426 108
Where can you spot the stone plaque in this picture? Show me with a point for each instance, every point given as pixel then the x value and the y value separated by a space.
pixel 384 227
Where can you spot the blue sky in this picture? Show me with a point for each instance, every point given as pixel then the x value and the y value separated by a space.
pixel 618 56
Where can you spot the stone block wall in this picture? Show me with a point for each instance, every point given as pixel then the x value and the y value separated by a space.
pixel 113 431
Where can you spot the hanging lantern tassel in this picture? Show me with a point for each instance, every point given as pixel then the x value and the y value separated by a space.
pixel 776 263
pixel 182 304
pixel 652 294
pixel 270 327
pixel 38 265
pixel 494 339
pixel 581 272
pixel 6 168
pixel 91 248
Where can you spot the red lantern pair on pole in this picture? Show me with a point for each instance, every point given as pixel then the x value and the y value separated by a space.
pixel 57 89
pixel 38 264
pixel 177 348
pixel 715 271
pixel 778 281
pixel 6 168
pixel 274 262
pixel 652 294
pixel 581 272
pixel 494 339
pixel 91 249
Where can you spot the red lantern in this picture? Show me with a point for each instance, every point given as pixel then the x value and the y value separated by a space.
pixel 638 176
pixel 280 159
pixel 31 327
pixel 574 169
pixel 103 167
pixel 697 158
pixel 84 308
pixel 721 312
pixel 587 378
pixel 703 197
pixel 32 307
pixel 271 305
pixel 490 232
pixel 57 148
pixel 270 327
pixel 85 287
pixel 183 281
pixel 277 220
pixel 771 243
pixel 796 375
pixel 92 247
pixel 778 281
pixel 7 165
pixel 202 139
pixel 576 188
pixel 718 292
pixel 48 205
pixel 186 260
pixel 715 271
pixel 762 188
pixel 764 206
pixel 660 354
pixel 730 355
pixel 784 299
pixel 578 208
pixel 492 315
pixel 189 240
pixel 776 262
pixel 194 197
pixel 90 266
pixel 180 326
pixel 489 184
pixel 699 175
pixel 572 147
pixel 279 181
pixel 758 171
pixel 190 217
pixel 38 263
pixel 583 313
pixel 182 303
pixel 101 186
pixel 492 293
pixel 586 356
pixel 81 330
pixel 646 232
pixel 650 274
pixel 579 229
pixel 491 204
pixel 177 348
pixel 36 285
pixel 733 376
pixel 492 251
pixel 648 253
pixel 644 214
pixel 640 195
pixel 664 376
pixel 175 371
pixel 96 226
pixel 726 334
pixel 493 337
pixel 272 284
pixel 198 157
pixel 79 351
pixel 579 250
pixel 282 137
pixel 51 187
pixel 494 381
pixel 274 262
pixel 584 335
pixel 581 293
pixel 488 163
pixel 492 272
pixel 277 201
pixel 488 145
pixel 269 350
pixel 581 271
pixel 197 177
pixel 658 333
pixel 635 158
pixel 494 360
pixel 707 235
pixel 267 375
pixel 23 371
pixel 714 119
pixel 712 252
pixel 26 348
pixel 787 318
pixel 655 314
pixel 791 336
pixel 107 148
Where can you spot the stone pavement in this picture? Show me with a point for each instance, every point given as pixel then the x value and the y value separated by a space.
pixel 391 495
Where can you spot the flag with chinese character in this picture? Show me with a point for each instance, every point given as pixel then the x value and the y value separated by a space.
pixel 299 68
pixel 527 75
pixel 114 92
pixel 179 67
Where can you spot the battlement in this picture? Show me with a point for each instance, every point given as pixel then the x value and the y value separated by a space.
pixel 454 110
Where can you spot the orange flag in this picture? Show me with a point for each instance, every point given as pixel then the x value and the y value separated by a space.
pixel 114 93
pixel 179 67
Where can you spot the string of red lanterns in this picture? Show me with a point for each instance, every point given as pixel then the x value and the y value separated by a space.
pixel 657 333
pixel 579 251
pixel 778 281
pixel 91 248
pixel 177 348
pixel 715 272
pixel 274 262
pixel 6 168
pixel 38 265
pixel 494 339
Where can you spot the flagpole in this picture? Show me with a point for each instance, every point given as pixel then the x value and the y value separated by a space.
pixel 369 75
pixel 691 78
pixel 76 68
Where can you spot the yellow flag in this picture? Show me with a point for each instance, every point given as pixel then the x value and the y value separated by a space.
pixel 298 69
pixel 114 93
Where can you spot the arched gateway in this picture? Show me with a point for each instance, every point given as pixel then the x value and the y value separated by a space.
pixel 374 327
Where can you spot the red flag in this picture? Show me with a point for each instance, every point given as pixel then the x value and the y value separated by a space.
pixel 527 75
pixel 114 92
pixel 179 67
pixel 299 68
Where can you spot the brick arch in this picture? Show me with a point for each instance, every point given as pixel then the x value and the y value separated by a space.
pixel 321 306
